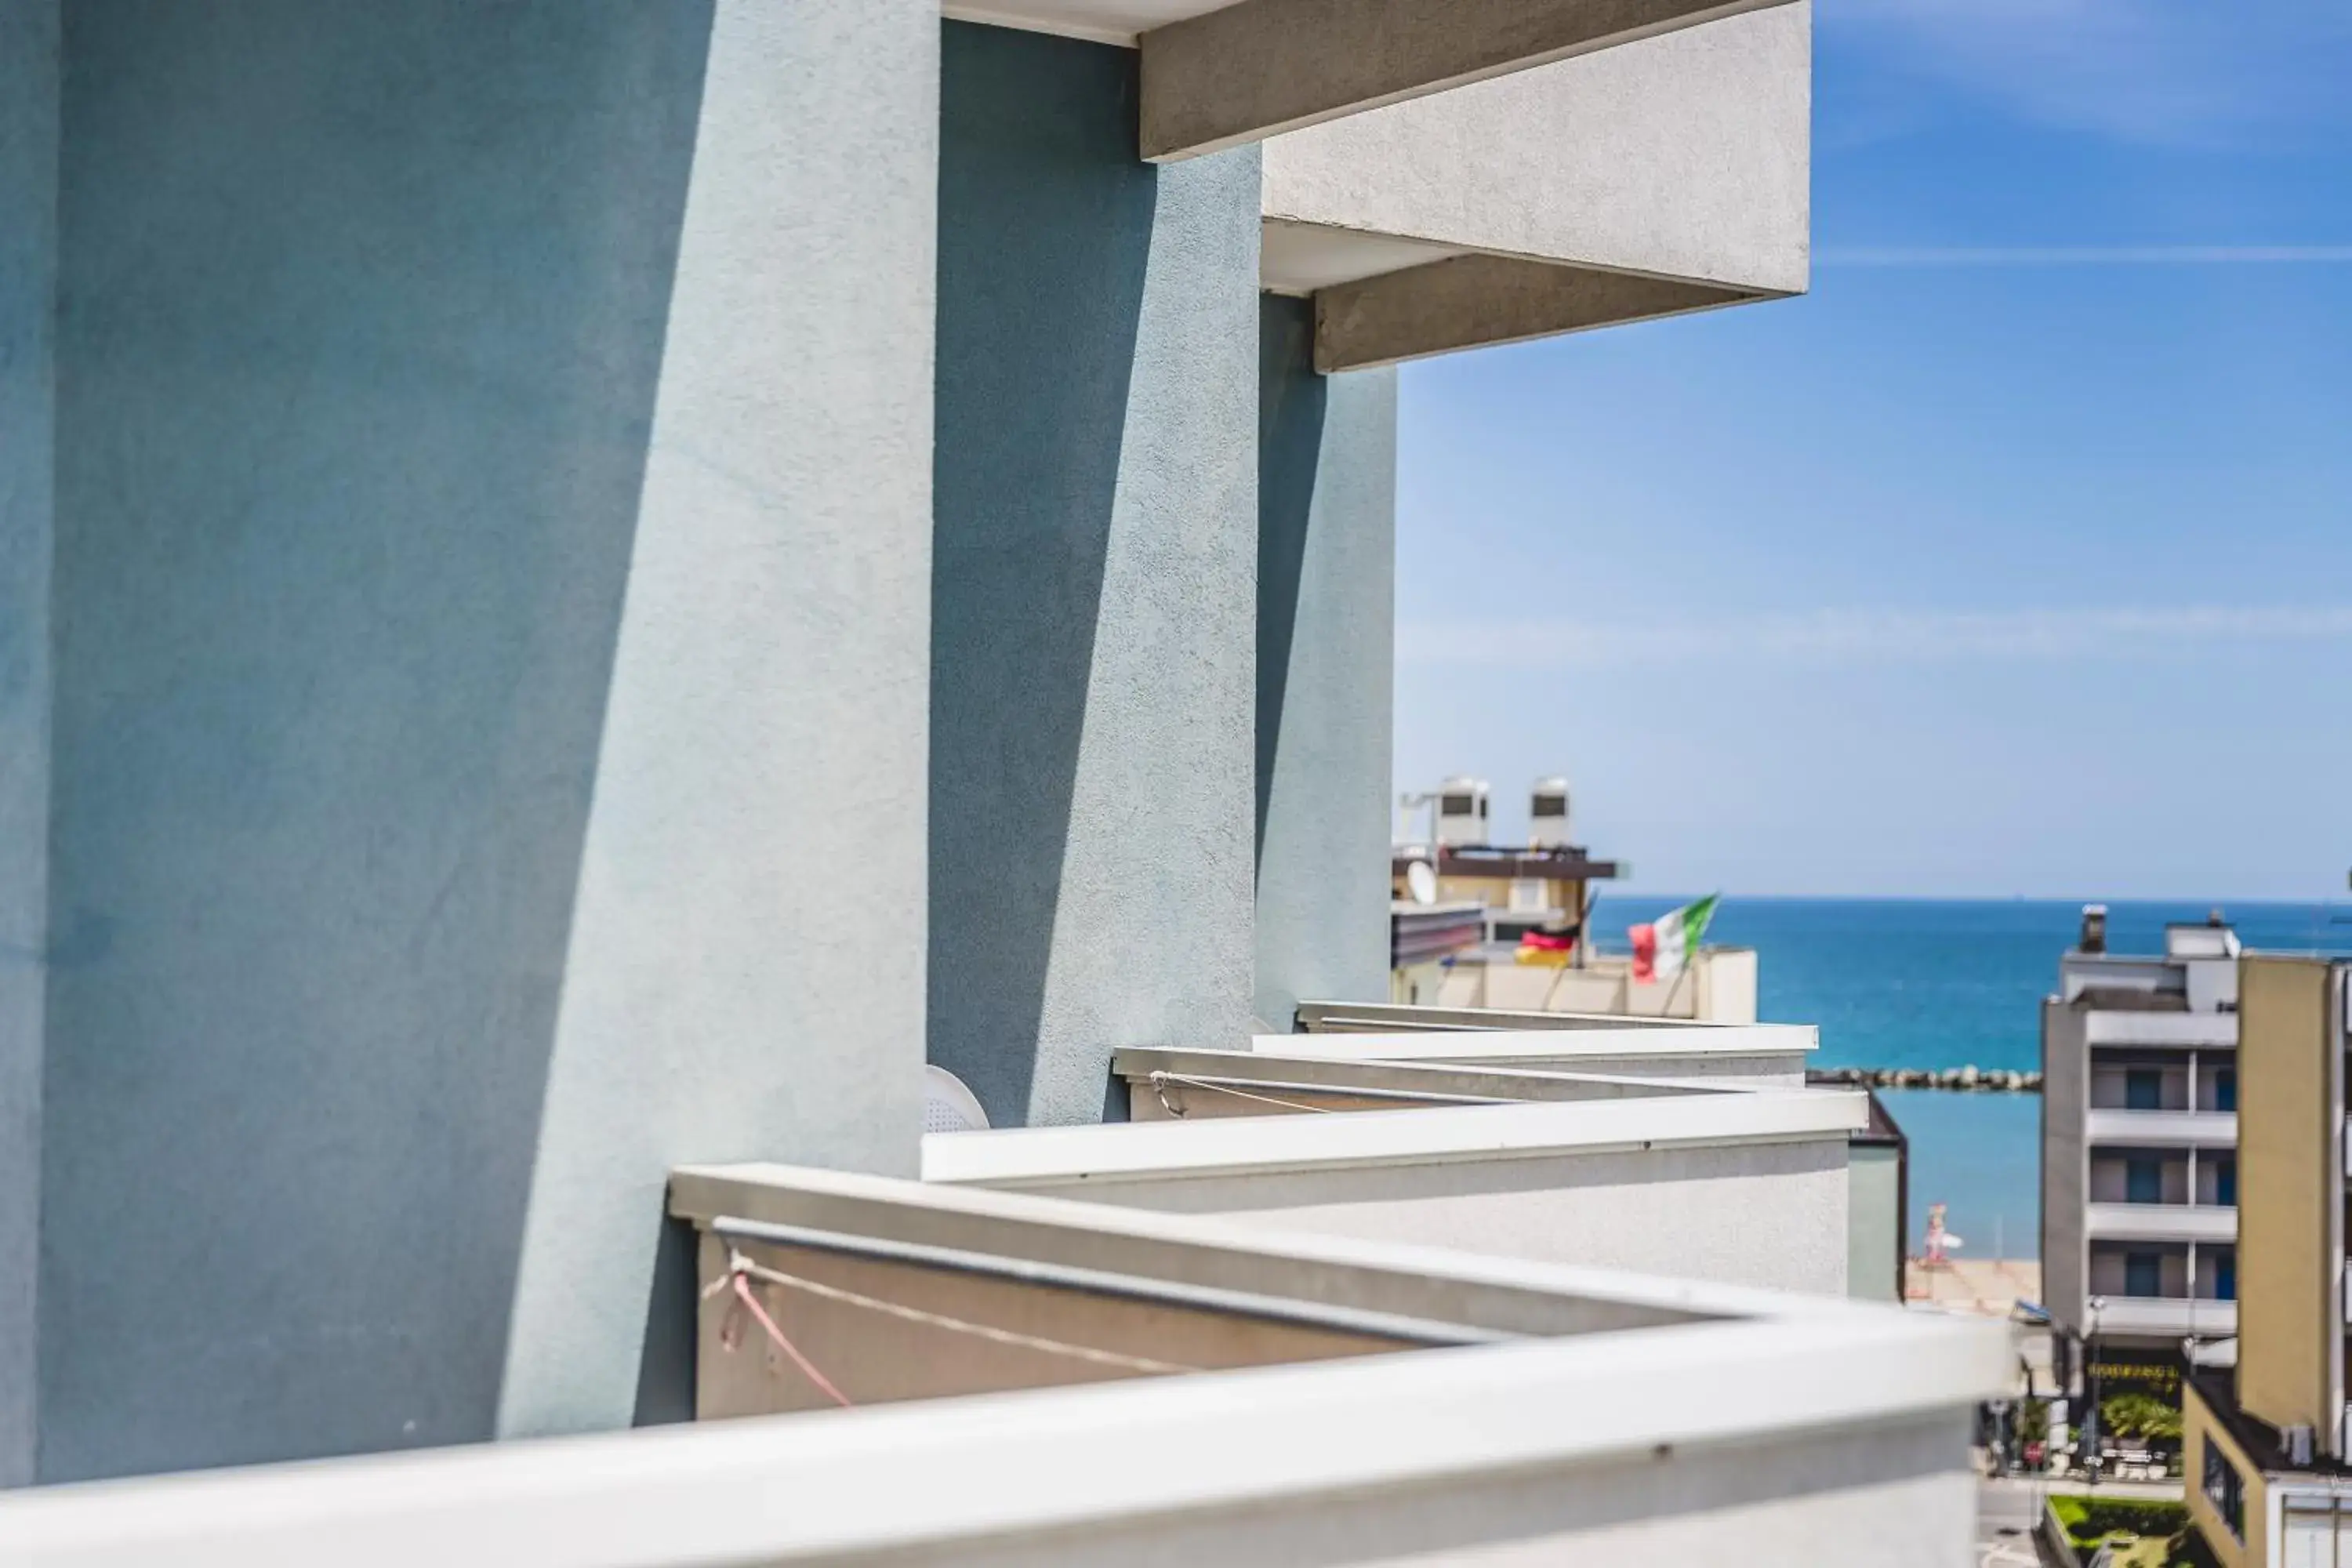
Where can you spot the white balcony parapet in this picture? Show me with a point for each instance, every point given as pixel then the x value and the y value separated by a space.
pixel 1167 1083
pixel 2161 1129
pixel 1755 1054
pixel 2179 1031
pixel 1093 1153
pixel 1734 1184
pixel 1812 1439
pixel 1580 1415
pixel 1717 985
pixel 1343 1018
pixel 2168 1315
pixel 2159 1222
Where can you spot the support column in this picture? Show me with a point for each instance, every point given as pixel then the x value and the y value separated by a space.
pixel 1327 624
pixel 28 206
pixel 491 601
pixel 1094 581
pixel 745 977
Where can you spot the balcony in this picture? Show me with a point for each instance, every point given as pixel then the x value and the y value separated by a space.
pixel 2162 1129
pixel 1718 987
pixel 2170 1316
pixel 1314 1401
pixel 2159 1222
pixel 1693 1180
pixel 1163 1084
pixel 2181 1031
pixel 1757 1054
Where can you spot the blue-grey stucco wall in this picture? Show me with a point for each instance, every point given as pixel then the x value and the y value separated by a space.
pixel 1094 580
pixel 1327 622
pixel 745 979
pixel 489 539
pixel 29 203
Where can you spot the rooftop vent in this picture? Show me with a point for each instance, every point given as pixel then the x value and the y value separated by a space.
pixel 1462 811
pixel 1548 815
pixel 2095 928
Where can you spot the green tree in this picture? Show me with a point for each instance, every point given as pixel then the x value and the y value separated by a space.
pixel 2140 1415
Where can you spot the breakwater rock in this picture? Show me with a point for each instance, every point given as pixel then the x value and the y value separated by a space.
pixel 1963 1079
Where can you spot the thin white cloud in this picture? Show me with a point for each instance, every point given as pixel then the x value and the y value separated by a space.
pixel 1877 636
pixel 2083 255
pixel 2174 72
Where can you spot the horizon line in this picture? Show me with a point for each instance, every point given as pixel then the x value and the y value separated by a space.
pixel 2110 900
pixel 1895 255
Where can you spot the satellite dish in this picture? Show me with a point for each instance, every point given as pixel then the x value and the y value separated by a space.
pixel 1420 881
pixel 949 1106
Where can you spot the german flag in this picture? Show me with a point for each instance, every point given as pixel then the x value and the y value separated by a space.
pixel 1552 945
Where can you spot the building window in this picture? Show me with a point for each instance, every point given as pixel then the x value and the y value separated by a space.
pixel 2143 1274
pixel 2224 1490
pixel 2143 1181
pixel 2225 1181
pixel 2225 1275
pixel 2225 1089
pixel 2144 1089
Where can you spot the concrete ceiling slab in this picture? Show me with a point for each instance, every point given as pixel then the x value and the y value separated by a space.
pixel 1104 21
pixel 1300 258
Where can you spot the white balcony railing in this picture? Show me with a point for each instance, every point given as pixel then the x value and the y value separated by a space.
pixel 1698 1179
pixel 2161 1129
pixel 2171 1315
pixel 1578 1416
pixel 1751 1053
pixel 2186 1031
pixel 1717 985
pixel 2159 1222
pixel 1167 1083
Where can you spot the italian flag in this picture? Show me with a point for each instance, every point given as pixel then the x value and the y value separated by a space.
pixel 1663 948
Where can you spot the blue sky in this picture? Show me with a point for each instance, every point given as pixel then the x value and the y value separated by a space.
pixel 2016 558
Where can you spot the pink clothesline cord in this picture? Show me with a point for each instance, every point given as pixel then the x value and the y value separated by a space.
pixel 745 1294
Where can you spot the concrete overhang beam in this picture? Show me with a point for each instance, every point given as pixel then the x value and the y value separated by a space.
pixel 1244 72
pixel 1668 176
pixel 1475 302
pixel 1223 73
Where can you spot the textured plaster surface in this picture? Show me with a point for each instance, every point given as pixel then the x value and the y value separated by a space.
pixel 490 508
pixel 1326 633
pixel 1094 582
pixel 1687 155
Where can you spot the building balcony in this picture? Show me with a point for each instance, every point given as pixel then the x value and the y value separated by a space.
pixel 1761 1054
pixel 2161 1129
pixel 1701 1180
pixel 1039 1381
pixel 1718 987
pixel 2167 1316
pixel 2159 1222
pixel 2161 1030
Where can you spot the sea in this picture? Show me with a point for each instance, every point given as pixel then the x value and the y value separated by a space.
pixel 1947 982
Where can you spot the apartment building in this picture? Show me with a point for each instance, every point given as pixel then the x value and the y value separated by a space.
pixel 2267 1442
pixel 2139 1161
pixel 587 590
